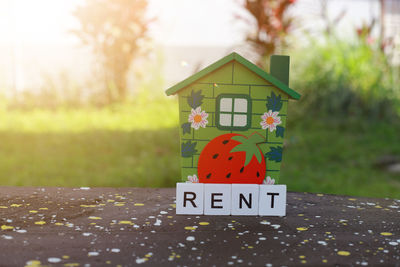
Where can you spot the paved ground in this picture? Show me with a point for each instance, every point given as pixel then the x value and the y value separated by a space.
pixel 111 226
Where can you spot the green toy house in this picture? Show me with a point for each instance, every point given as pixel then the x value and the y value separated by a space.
pixel 232 116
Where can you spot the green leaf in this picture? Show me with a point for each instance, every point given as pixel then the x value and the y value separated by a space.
pixel 279 131
pixel 188 149
pixel 249 146
pixel 275 154
pixel 186 127
pixel 195 99
pixel 274 102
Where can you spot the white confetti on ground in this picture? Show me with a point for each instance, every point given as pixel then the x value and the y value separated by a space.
pixel 265 222
pixel 190 238
pixel 393 243
pixel 84 188
pixel 322 243
pixel 54 260
pixel 93 253
pixel 140 260
pixel 158 222
pixel 276 226
pixel 163 212
pixel 21 231
pixel 86 234
pixel 115 250
pixel 8 237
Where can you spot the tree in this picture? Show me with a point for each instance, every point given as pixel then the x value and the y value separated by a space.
pixel 116 30
pixel 272 25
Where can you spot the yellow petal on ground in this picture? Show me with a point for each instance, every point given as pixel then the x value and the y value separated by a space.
pixel 40 222
pixel 59 224
pixel 74 264
pixel 204 223
pixel 3 207
pixel 33 211
pixel 343 253
pixel 7 227
pixel 320 195
pixel 190 228
pixel 110 200
pixel 65 257
pixel 302 228
pixel 138 204
pixel 94 218
pixel 33 263
pixel 125 222
pixel 16 205
pixel 386 234
pixel 173 205
pixel 352 199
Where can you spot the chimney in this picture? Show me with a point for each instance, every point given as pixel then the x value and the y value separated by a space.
pixel 279 68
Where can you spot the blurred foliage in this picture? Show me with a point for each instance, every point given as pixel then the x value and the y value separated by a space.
pixel 116 30
pixel 344 80
pixel 272 23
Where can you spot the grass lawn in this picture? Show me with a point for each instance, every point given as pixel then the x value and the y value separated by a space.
pixel 138 145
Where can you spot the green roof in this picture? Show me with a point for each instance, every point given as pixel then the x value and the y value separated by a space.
pixel 233 56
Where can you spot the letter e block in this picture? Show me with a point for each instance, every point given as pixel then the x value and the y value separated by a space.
pixel 245 199
pixel 189 198
pixel 272 200
pixel 217 199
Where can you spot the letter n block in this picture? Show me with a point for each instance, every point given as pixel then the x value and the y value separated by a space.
pixel 189 198
pixel 217 199
pixel 245 199
pixel 272 200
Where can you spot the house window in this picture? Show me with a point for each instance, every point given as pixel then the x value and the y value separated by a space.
pixel 233 112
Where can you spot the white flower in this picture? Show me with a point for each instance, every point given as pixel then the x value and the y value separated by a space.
pixel 198 118
pixel 193 179
pixel 270 120
pixel 269 181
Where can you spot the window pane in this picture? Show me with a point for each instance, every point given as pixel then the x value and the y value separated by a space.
pixel 225 119
pixel 225 105
pixel 239 120
pixel 240 105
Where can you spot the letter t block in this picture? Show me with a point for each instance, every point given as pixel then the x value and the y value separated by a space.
pixel 189 198
pixel 272 200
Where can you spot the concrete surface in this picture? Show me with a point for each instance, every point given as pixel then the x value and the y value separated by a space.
pixel 136 226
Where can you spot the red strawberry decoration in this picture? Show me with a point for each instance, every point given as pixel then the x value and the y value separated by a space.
pixel 232 159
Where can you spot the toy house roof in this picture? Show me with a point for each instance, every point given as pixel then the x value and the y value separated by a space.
pixel 233 56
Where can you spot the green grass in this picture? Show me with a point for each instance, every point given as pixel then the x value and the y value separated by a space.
pixel 138 145
pixel 338 158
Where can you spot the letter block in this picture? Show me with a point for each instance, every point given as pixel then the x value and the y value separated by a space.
pixel 245 199
pixel 217 199
pixel 272 200
pixel 189 198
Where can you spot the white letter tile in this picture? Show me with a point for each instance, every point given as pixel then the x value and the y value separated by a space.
pixel 217 199
pixel 189 198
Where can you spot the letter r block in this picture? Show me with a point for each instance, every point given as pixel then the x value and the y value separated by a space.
pixel 217 199
pixel 245 199
pixel 189 198
pixel 272 200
